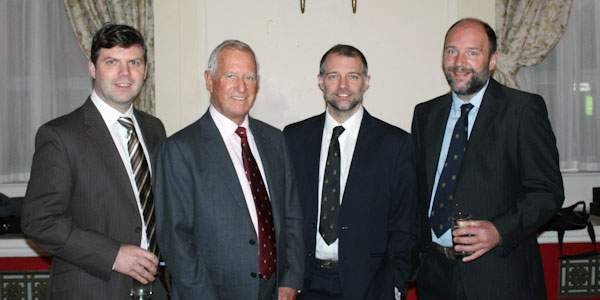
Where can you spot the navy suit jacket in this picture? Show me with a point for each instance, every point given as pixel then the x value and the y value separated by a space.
pixel 378 211
pixel 509 176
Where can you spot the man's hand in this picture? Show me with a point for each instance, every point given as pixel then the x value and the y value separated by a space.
pixel 478 237
pixel 137 263
pixel 286 293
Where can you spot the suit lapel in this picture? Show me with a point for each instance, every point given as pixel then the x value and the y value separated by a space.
pixel 364 143
pixel 485 117
pixel 434 133
pixel 101 138
pixel 214 146
pixel 313 155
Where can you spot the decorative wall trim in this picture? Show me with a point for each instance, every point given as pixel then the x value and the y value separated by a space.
pixel 23 285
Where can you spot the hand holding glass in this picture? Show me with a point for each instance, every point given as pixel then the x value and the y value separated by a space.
pixel 455 221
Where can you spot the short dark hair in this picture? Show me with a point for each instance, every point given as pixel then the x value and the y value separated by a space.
pixel 344 50
pixel 492 40
pixel 111 35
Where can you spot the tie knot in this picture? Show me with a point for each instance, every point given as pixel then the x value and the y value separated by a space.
pixel 465 108
pixel 126 122
pixel 337 131
pixel 241 131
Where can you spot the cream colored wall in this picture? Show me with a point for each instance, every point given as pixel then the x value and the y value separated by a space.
pixel 401 39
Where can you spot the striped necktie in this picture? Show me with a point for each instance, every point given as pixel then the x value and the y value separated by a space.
pixel 141 173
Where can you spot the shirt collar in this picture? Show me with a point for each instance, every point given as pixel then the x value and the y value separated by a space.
pixel 352 125
pixel 475 101
pixel 109 113
pixel 225 125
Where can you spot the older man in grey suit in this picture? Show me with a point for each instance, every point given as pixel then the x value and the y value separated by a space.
pixel 228 213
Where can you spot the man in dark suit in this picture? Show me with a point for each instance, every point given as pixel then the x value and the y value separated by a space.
pixel 229 214
pixel 489 151
pixel 355 179
pixel 85 200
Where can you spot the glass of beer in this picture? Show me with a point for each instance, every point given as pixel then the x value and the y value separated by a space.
pixel 455 222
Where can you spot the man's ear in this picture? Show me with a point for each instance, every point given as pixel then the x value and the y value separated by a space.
pixel 92 69
pixel 209 81
pixel 321 82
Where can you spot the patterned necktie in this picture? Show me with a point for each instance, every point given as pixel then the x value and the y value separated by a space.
pixel 141 173
pixel 330 198
pixel 267 253
pixel 444 196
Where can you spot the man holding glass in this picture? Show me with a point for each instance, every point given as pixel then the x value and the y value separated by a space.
pixel 89 200
pixel 488 152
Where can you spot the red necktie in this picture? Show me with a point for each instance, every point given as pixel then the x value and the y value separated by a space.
pixel 267 253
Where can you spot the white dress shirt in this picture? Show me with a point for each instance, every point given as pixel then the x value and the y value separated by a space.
pixel 446 238
pixel 119 135
pixel 347 142
pixel 233 142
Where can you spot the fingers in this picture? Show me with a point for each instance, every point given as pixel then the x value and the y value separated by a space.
pixel 286 293
pixel 477 237
pixel 137 263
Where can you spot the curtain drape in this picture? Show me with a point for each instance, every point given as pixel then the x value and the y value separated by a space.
pixel 87 16
pixel 569 80
pixel 527 30
pixel 43 74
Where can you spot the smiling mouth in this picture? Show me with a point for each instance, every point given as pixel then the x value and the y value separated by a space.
pixel 461 71
pixel 123 84
pixel 238 98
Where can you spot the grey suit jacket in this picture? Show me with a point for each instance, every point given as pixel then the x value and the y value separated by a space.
pixel 204 229
pixel 509 176
pixel 79 204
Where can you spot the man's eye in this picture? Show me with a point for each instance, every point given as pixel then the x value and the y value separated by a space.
pixel 110 61
pixel 353 77
pixel 250 78
pixel 332 76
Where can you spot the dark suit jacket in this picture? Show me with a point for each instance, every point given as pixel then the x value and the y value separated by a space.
pixel 79 204
pixel 204 229
pixel 509 176
pixel 377 217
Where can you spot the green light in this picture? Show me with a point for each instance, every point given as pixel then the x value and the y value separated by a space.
pixel 589 105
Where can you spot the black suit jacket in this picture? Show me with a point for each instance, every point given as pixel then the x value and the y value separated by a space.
pixel 509 176
pixel 79 204
pixel 377 217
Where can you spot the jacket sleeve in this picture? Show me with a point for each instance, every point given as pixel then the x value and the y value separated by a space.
pixel 46 217
pixel 541 180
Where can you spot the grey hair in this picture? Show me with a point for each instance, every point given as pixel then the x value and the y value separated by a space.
pixel 213 59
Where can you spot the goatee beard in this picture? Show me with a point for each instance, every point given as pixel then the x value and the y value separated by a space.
pixel 476 83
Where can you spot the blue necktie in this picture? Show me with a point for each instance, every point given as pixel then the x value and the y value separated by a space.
pixel 444 195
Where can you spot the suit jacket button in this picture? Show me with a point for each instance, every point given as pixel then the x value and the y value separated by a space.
pixel 314 225
pixel 253 275
pixel 138 229
pixel 311 253
pixel 252 242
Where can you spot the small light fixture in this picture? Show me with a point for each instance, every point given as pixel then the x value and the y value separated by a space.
pixel 303 6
